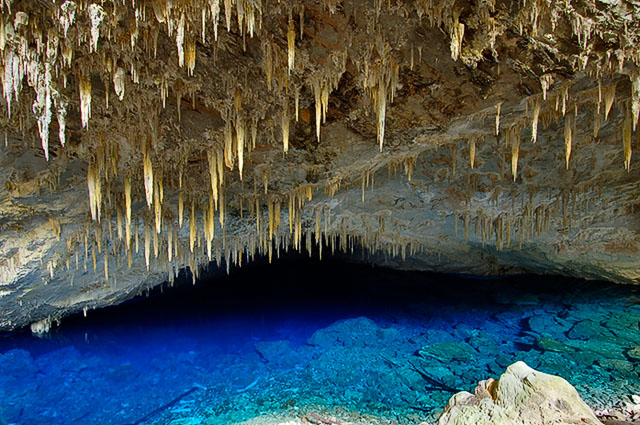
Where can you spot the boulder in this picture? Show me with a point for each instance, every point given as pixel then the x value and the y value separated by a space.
pixel 522 396
pixel 447 352
pixel 357 332
pixel 546 324
pixel 586 329
pixel 623 321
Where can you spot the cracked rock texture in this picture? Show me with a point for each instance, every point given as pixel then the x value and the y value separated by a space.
pixel 483 137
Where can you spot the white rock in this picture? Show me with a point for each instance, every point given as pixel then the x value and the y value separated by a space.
pixel 522 395
pixel 41 327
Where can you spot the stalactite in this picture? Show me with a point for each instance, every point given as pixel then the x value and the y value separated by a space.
pixel 157 208
pixel 221 210
pixel 545 82
pixel 381 111
pixel 285 127
pixel 568 122
pixel 609 97
pixel 291 45
pixel 85 100
pixel 597 123
pixel 190 55
pixel 180 208
pixel 213 174
pixel 148 172
pixel 635 98
pixel 228 145
pixel 534 119
pixel 240 144
pixel 457 34
pixel 96 16
pixel 94 182
pixel 106 265
pixel 192 227
pixel 147 244
pixel 472 152
pixel 180 39
pixel 297 101
pixel 498 107
pixel 515 152
pixel 119 83
pixel 626 139
pixel 317 94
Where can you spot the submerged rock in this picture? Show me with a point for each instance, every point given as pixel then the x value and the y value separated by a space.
pixel 634 353
pixel 449 351
pixel 585 330
pixel 277 353
pixel 549 344
pixel 522 395
pixel 358 332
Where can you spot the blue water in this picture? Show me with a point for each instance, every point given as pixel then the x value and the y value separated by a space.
pixel 301 336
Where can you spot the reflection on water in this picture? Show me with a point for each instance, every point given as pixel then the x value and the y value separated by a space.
pixel 300 333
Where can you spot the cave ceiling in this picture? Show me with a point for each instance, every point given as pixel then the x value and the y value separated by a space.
pixel 146 138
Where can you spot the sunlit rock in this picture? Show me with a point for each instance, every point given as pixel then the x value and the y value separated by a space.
pixel 521 396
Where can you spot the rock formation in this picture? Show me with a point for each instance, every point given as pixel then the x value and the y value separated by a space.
pixel 145 138
pixel 521 396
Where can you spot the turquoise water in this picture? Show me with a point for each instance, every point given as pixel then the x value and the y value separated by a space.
pixel 301 335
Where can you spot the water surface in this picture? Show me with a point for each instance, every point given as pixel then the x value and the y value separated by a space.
pixel 301 333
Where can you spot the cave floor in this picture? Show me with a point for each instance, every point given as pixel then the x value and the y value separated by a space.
pixel 390 346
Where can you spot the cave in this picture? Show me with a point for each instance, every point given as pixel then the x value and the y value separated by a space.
pixel 319 211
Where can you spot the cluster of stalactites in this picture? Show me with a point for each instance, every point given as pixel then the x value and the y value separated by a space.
pixel 39 64
pixel 380 75
pixel 204 246
pixel 560 106
pixel 173 250
pixel 157 233
pixel 42 50
pixel 322 85
pixel 184 21
pixel 46 62
pixel 501 227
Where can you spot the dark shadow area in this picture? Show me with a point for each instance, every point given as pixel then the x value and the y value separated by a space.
pixel 307 292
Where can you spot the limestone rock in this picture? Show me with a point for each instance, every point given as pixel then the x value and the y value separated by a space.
pixel 523 396
pixel 433 147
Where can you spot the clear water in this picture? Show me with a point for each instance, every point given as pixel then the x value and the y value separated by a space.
pixel 298 336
